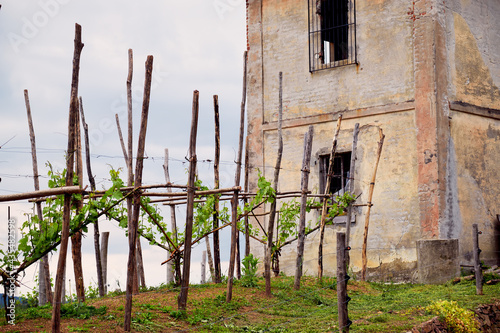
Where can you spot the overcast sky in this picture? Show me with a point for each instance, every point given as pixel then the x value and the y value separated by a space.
pixel 196 44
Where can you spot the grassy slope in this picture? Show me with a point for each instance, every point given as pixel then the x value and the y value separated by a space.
pixel 373 308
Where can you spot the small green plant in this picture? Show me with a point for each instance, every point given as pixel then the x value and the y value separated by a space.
pixel 458 319
pixel 91 292
pixel 143 318
pixel 77 329
pixel 249 278
pixel 81 311
pixel 178 314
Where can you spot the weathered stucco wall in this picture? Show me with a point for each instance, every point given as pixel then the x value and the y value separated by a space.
pixel 394 221
pixel 474 184
pixel 428 74
pixel 384 74
pixel 474 52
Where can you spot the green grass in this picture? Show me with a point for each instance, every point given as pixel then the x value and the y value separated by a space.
pixel 374 307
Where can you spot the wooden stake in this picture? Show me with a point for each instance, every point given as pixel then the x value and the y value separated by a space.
pixel 209 255
pixel 364 258
pixel 170 268
pixel 324 210
pixel 137 198
pixel 182 299
pixel 129 161
pixel 245 201
pixel 203 269
pixel 477 263
pixel 352 170
pixel 120 135
pixel 272 217
pixel 104 261
pixel 342 283
pixel 76 239
pixel 97 248
pixel 217 267
pixel 73 110
pixel 45 290
pixel 140 267
pixel 306 170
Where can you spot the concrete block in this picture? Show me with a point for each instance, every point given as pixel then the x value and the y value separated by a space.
pixel 438 260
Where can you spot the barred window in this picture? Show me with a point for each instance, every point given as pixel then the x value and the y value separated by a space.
pixel 332 33
pixel 340 178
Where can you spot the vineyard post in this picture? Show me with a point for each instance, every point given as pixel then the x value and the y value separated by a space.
pixel 182 299
pixel 272 217
pixel 216 186
pixel 73 110
pixel 203 268
pixel 137 195
pixel 477 263
pixel 352 170
pixel 364 258
pixel 104 261
pixel 232 257
pixel 306 169
pixel 234 202
pixel 240 153
pixel 45 290
pixel 209 256
pixel 342 278
pixel 170 267
pixel 76 238
pixel 97 247
pixel 129 161
pixel 324 209
pixel 245 201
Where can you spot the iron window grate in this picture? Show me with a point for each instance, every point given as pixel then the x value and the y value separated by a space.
pixel 332 34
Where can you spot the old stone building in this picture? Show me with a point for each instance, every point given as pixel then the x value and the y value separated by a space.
pixel 428 73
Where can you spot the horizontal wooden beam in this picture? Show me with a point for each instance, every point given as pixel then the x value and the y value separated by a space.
pixel 42 193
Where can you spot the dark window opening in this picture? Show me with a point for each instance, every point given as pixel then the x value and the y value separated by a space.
pixel 340 178
pixel 332 34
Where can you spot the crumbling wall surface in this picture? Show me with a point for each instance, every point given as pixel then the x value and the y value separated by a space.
pixel 394 223
pixel 474 51
pixel 474 184
pixel 384 74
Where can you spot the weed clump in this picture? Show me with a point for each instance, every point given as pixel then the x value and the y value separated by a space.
pixel 458 319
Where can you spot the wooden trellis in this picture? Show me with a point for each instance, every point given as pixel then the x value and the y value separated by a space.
pixel 189 196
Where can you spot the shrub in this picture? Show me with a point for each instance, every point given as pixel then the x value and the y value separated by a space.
pixel 456 318
pixel 249 278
